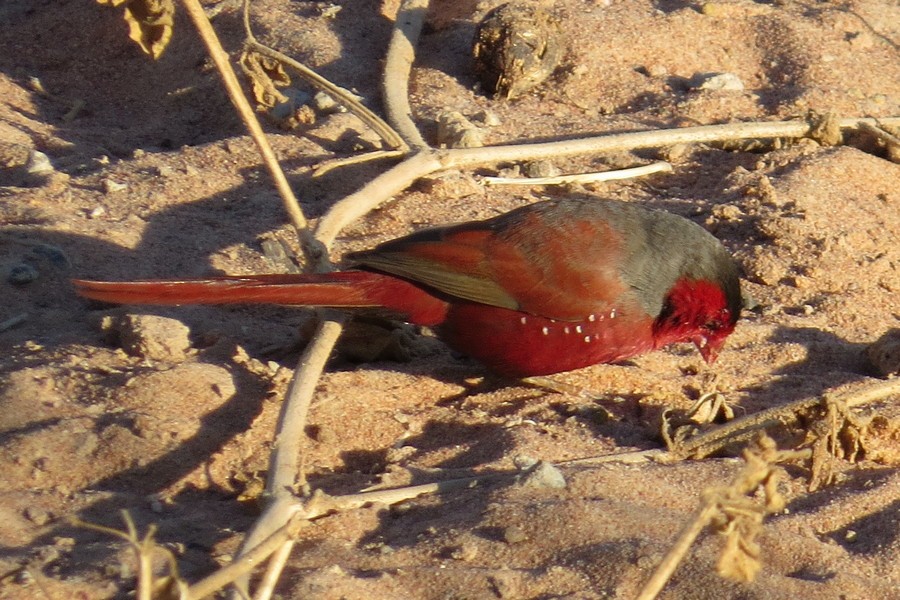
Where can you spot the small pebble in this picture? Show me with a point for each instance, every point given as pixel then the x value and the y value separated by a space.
pixel 111 187
pixel 325 104
pixel 884 354
pixel 725 82
pixel 487 118
pixel 544 475
pixel 153 337
pixel 456 131
pixel 657 70
pixel 21 274
pixel 541 168
pixel 36 515
pixel 514 535
pixel 39 164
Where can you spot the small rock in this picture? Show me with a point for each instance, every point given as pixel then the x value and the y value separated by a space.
pixel 514 534
pixel 325 104
pixel 767 270
pixel 39 164
pixel 36 515
pixel 727 212
pixel 21 274
pixel 156 504
pixel 677 152
pixel 154 337
pixel 165 171
pixel 451 184
pixel 541 168
pixel 725 82
pixel 464 552
pixel 544 475
pixel 487 118
pixel 657 70
pixel 456 131
pixel 884 353
pixel 110 186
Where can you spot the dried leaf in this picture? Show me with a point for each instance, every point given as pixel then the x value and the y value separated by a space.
pixel 150 23
pixel 837 434
pixel 266 75
pixel 740 557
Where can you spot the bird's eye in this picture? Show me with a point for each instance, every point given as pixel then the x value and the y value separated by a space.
pixel 713 325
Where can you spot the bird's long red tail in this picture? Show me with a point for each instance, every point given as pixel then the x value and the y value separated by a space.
pixel 343 289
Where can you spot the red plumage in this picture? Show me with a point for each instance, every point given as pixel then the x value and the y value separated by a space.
pixel 549 287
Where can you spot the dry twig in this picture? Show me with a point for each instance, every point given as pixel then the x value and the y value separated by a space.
pixel 734 514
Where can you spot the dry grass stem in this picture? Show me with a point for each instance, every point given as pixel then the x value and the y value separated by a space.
pixel 400 56
pixel 391 138
pixel 284 471
pixel 239 569
pixel 744 428
pixel 148 586
pixel 276 565
pixel 245 111
pixel 736 515
pixel 657 167
pixel 330 165
pixel 891 142
pixel 425 162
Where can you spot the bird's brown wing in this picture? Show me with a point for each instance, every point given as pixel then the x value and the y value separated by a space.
pixel 455 263
pixel 560 268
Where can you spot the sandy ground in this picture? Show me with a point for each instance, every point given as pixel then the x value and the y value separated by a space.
pixel 153 176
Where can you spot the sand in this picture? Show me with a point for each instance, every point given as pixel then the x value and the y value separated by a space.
pixel 153 176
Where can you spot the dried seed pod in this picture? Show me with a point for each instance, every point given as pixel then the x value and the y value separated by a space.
pixel 516 47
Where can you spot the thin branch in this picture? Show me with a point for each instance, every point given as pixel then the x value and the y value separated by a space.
pixel 245 111
pixel 284 462
pixel 391 138
pixel 729 504
pixel 273 571
pixel 284 459
pixel 670 562
pixel 746 427
pixel 891 142
pixel 423 163
pixel 398 64
pixel 467 157
pixel 657 167
pixel 246 562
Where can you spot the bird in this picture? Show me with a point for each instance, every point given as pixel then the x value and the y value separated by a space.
pixel 548 287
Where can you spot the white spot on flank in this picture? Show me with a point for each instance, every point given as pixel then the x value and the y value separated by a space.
pixel 523 320
pixel 578 328
pixel 592 318
pixel 612 314
pixel 545 331
pixel 565 330
pixel 587 339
